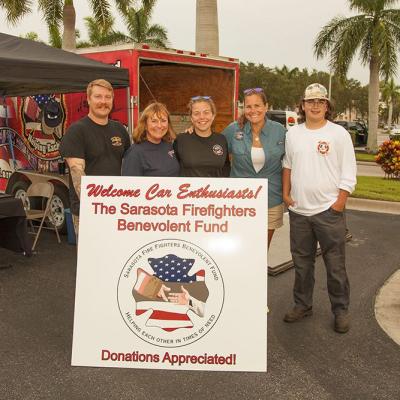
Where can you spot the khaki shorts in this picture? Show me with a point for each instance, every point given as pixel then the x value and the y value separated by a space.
pixel 275 217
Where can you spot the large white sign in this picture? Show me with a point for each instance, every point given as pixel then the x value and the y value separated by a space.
pixel 172 273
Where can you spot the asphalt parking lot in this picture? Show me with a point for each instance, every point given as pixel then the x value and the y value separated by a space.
pixel 306 360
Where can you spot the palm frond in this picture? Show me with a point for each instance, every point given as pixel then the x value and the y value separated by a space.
pixel 341 38
pixel 371 7
pixel 55 36
pixel 16 9
pixel 52 11
pixel 101 11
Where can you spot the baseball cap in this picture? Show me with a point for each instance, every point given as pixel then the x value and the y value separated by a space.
pixel 316 91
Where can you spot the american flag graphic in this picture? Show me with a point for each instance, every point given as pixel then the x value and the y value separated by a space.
pixel 42 99
pixel 172 272
pixel 34 104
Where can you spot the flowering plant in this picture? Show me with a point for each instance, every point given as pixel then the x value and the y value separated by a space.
pixel 388 158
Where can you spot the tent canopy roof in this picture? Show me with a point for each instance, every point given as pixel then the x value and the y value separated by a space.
pixel 28 67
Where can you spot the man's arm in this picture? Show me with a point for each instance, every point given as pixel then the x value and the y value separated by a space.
pixel 77 170
pixel 286 187
pixel 340 203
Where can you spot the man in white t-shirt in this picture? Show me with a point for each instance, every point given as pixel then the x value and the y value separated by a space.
pixel 319 173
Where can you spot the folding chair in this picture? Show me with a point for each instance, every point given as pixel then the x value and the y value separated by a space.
pixel 44 190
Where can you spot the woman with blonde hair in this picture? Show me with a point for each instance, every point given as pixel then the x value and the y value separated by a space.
pixel 151 153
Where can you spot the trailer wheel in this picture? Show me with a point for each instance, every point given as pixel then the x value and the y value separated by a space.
pixel 58 204
pixel 19 191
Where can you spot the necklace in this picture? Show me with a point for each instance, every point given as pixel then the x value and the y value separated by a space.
pixel 257 138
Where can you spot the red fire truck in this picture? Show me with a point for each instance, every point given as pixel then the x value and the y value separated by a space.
pixel 169 76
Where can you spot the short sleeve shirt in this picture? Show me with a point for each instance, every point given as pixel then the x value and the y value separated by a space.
pixel 101 146
pixel 202 156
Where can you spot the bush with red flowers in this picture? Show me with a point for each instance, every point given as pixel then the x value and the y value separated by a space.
pixel 388 158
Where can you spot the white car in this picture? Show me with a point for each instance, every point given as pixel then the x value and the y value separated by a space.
pixel 394 132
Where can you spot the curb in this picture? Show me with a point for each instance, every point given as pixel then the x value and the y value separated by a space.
pixel 369 163
pixel 385 207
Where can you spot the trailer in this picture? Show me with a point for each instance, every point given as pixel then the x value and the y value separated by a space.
pixel 169 76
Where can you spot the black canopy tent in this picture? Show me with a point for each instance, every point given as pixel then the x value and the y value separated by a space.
pixel 28 67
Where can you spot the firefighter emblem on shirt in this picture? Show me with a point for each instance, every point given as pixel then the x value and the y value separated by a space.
pixel 116 141
pixel 323 147
pixel 218 150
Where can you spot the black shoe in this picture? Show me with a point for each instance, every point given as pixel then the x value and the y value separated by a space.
pixel 296 314
pixel 342 323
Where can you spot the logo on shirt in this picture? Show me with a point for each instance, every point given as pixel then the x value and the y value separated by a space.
pixel 218 150
pixel 239 135
pixel 116 141
pixel 171 153
pixel 323 147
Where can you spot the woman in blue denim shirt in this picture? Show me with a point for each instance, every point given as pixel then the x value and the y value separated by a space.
pixel 257 146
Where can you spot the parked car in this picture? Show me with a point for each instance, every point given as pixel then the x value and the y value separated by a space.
pixel 286 118
pixel 359 130
pixel 395 133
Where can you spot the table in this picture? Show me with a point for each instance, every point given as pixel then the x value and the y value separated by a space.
pixel 13 225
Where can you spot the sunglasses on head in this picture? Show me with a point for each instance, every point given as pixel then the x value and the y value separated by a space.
pixel 253 90
pixel 195 98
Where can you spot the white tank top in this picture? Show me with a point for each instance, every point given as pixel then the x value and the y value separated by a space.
pixel 258 158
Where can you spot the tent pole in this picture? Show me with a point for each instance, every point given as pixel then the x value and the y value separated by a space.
pixel 9 136
pixel 129 104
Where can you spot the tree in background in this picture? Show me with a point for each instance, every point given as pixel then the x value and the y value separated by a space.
pixel 284 87
pixel 137 22
pixel 390 95
pixel 62 12
pixel 100 36
pixel 376 34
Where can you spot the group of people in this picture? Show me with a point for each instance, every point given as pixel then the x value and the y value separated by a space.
pixel 311 169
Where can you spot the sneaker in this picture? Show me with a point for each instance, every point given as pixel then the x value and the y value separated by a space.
pixel 342 323
pixel 296 314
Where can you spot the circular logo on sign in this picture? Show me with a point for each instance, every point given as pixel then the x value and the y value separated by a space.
pixel 218 150
pixel 170 293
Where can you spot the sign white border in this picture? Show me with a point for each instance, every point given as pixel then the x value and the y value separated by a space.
pixel 217 229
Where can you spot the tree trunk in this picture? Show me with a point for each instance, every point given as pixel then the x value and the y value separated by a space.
pixel 207 27
pixel 390 113
pixel 69 37
pixel 373 105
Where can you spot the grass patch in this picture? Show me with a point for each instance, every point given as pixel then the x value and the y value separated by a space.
pixel 365 157
pixel 375 188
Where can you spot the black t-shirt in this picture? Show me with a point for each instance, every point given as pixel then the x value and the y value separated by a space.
pixel 101 146
pixel 202 156
pixel 150 159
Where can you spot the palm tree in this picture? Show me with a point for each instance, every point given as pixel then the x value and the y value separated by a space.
pixel 57 12
pixel 100 36
pixel 31 36
pixel 137 21
pixel 376 34
pixel 207 40
pixel 390 93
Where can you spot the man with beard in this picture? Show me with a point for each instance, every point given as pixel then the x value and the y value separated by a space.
pixel 94 145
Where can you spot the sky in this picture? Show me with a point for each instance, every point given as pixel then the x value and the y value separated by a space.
pixel 271 32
